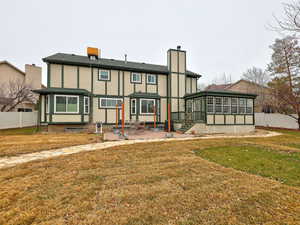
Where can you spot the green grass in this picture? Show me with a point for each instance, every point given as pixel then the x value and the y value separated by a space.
pixel 19 131
pixel 281 166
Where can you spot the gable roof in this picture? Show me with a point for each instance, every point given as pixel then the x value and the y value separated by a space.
pixel 79 60
pixel 220 93
pixel 12 66
pixel 215 87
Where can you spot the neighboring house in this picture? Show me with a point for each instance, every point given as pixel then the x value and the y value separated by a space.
pixel 264 100
pixel 31 77
pixel 83 90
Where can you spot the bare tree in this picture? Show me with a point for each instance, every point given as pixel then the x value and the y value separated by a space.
pixel 222 79
pixel 284 69
pixel 291 20
pixel 14 93
pixel 257 76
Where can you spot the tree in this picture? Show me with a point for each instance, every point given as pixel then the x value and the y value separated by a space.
pixel 291 20
pixel 15 92
pixel 284 69
pixel 257 76
pixel 222 79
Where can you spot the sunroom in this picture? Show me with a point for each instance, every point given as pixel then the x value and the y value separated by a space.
pixel 220 111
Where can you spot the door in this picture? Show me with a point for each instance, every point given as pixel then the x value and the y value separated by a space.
pixel 189 110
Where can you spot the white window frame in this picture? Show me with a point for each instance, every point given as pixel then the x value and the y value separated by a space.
pixel 99 75
pixel 236 105
pixel 146 99
pixel 140 76
pixel 228 105
pixel 242 106
pixel 220 106
pixel 151 75
pixel 88 104
pixel 213 105
pixel 67 96
pixel 109 107
pixel 252 108
pixel 133 99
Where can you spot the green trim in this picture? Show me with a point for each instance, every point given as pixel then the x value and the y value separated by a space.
pixel 48 75
pixel 51 107
pixel 45 108
pixel 102 79
pixel 78 77
pixel 40 110
pixel 118 82
pixel 71 91
pixel 220 94
pixel 81 107
pixel 156 84
pixel 62 76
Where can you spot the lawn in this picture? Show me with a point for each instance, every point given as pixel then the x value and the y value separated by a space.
pixel 157 183
pixel 27 140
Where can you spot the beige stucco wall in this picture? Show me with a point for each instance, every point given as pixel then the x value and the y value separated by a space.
pixel 141 87
pixel 174 61
pixel 70 76
pixel 98 114
pixel 55 77
pixel 163 109
pixel 33 76
pixel 162 85
pixel 112 85
pixel 219 119
pixel 249 119
pixel 181 85
pixel 7 74
pixel 239 119
pixel 174 88
pixel 229 119
pixel 182 61
pixel 127 84
pixel 66 118
pixel 188 85
pixel 43 108
pixel 86 118
pixel 174 105
pixel 210 119
pixel 85 78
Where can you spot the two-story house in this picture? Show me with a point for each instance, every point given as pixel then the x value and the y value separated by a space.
pixel 83 90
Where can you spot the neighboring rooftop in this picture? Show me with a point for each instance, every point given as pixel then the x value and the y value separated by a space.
pixel 223 93
pixel 72 59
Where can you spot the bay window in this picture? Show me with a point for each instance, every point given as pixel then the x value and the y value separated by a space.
pixel 242 105
pixel 218 105
pixel 66 104
pixel 249 108
pixel 147 106
pixel 234 105
pixel 226 105
pixel 210 104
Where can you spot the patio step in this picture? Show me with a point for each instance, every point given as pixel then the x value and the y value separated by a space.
pixel 186 126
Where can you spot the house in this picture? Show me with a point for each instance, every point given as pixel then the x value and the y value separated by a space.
pixel 264 100
pixel 11 74
pixel 83 90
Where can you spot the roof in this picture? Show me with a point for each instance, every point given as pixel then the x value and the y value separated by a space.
pixel 144 95
pixel 62 91
pixel 228 86
pixel 217 87
pixel 12 66
pixel 221 93
pixel 72 59
pixel 4 100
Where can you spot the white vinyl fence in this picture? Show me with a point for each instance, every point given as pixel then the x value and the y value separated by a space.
pixel 17 119
pixel 275 120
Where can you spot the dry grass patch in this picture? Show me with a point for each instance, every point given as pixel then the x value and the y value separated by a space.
pixel 157 183
pixel 11 145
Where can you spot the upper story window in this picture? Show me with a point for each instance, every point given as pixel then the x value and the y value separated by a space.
pixel 104 75
pixel 151 79
pixel 111 103
pixel 136 78
pixel 66 104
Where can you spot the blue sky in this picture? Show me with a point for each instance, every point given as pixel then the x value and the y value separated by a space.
pixel 227 36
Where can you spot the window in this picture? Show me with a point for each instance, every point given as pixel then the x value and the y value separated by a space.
pixel 249 109
pixel 210 104
pixel 86 105
pixel 218 105
pixel 136 78
pixel 110 102
pixel 66 104
pixel 151 79
pixel 133 106
pixel 92 57
pixel 24 110
pixel 147 106
pixel 234 106
pixel 226 105
pixel 242 105
pixel 104 75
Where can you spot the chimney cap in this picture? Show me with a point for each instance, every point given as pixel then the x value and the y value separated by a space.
pixel 178 47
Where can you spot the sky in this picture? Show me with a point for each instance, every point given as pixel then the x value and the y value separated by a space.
pixel 220 36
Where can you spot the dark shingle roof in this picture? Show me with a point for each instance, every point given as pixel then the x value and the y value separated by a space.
pixel 71 59
pixel 144 95
pixel 223 93
pixel 62 91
